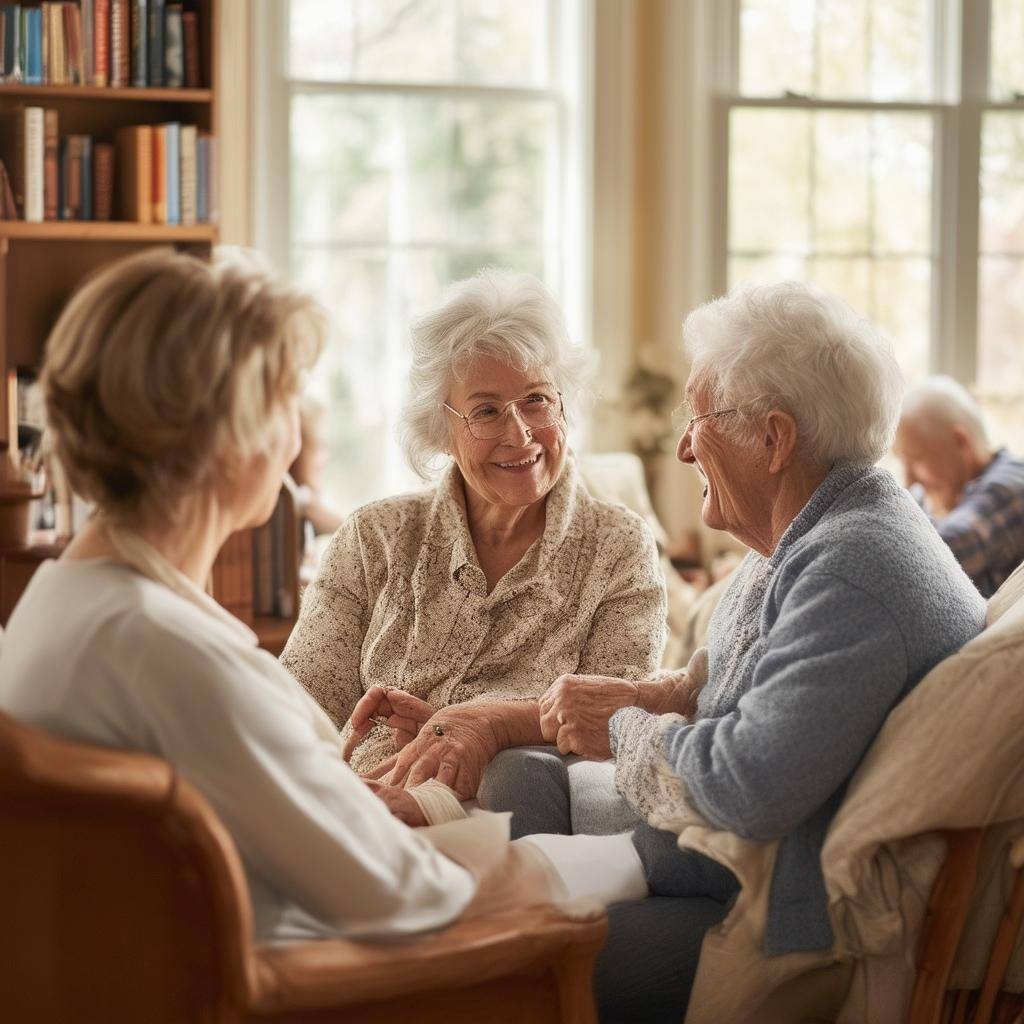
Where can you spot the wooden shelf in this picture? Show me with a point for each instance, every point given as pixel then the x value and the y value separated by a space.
pixel 97 92
pixel 105 231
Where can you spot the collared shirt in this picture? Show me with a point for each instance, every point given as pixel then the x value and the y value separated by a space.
pixel 986 530
pixel 401 600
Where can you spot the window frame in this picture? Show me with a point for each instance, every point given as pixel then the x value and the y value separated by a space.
pixel 570 92
pixel 961 69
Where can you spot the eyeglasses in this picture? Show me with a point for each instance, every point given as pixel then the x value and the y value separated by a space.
pixel 535 411
pixel 686 410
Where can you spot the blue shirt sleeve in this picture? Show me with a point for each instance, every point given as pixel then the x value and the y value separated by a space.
pixel 834 664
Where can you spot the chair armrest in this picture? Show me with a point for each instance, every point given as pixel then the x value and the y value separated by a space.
pixel 339 972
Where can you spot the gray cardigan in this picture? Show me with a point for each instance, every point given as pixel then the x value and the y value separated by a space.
pixel 808 651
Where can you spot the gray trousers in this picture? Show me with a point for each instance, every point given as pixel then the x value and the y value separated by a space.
pixel 645 971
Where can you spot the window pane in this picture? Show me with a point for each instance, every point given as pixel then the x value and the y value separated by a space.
pixel 422 169
pixel 478 41
pixel 842 198
pixel 804 182
pixel 1001 325
pixel 1006 78
pixel 1002 183
pixel 875 49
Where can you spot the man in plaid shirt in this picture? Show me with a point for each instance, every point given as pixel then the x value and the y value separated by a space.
pixel 973 493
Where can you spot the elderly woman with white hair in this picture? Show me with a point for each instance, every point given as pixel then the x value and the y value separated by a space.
pixel 438 618
pixel 846 600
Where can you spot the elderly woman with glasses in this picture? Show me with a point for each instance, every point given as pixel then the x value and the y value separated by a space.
pixel 847 598
pixel 439 618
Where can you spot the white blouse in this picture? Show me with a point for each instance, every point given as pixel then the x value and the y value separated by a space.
pixel 99 653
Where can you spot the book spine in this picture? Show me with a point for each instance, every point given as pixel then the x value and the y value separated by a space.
pixel 33 41
pixel 202 178
pixel 159 172
pixel 156 43
pixel 51 166
pixel 140 44
pixel 213 182
pixel 11 23
pixel 173 161
pixel 101 60
pixel 72 23
pixel 86 165
pixel 46 14
pixel 119 37
pixel 88 42
pixel 102 181
pixel 34 142
pixel 64 182
pixel 188 174
pixel 135 173
pixel 174 55
pixel 190 41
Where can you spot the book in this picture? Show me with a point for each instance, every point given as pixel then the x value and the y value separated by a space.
pixel 85 142
pixel 174 55
pixel 21 141
pixel 51 165
pixel 10 27
pixel 140 43
pixel 156 43
pixel 71 180
pixel 8 207
pixel 159 170
pixel 202 178
pixel 73 57
pixel 172 156
pixel 46 12
pixel 101 58
pixel 134 160
pixel 88 8
pixel 31 42
pixel 212 182
pixel 102 181
pixel 120 38
pixel 189 142
pixel 190 41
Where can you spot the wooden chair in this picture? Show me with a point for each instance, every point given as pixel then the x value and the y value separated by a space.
pixel 124 900
pixel 933 1002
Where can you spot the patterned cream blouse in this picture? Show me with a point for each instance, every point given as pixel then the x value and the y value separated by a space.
pixel 400 600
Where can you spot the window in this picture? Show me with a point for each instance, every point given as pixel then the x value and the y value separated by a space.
pixel 421 140
pixel 877 147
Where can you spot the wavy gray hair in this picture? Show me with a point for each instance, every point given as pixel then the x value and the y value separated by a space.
pixel 497 313
pixel 795 347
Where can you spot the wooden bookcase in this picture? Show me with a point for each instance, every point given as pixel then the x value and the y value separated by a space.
pixel 42 264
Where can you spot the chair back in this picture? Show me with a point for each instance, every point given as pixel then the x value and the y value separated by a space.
pixel 123 897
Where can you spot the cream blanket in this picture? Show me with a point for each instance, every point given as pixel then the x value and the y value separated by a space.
pixel 951 755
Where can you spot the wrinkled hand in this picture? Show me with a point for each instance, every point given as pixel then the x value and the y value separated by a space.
pixel 399 802
pixel 403 713
pixel 574 713
pixel 454 747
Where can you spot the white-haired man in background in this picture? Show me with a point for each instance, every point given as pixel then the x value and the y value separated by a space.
pixel 973 492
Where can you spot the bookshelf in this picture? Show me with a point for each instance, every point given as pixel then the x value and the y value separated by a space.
pixel 41 264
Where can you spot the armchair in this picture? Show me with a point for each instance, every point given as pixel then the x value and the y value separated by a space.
pixel 124 899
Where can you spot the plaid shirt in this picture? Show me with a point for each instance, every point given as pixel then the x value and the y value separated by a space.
pixel 986 530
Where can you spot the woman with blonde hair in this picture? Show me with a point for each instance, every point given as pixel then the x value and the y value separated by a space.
pixel 171 391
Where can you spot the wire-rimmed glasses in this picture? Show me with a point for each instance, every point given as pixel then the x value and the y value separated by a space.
pixel 541 408
pixel 685 411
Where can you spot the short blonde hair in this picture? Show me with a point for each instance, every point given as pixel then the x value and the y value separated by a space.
pixel 162 367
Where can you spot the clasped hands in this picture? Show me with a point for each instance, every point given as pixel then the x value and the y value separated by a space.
pixel 453 745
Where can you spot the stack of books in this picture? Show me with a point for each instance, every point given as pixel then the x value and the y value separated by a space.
pixel 160 174
pixel 119 43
